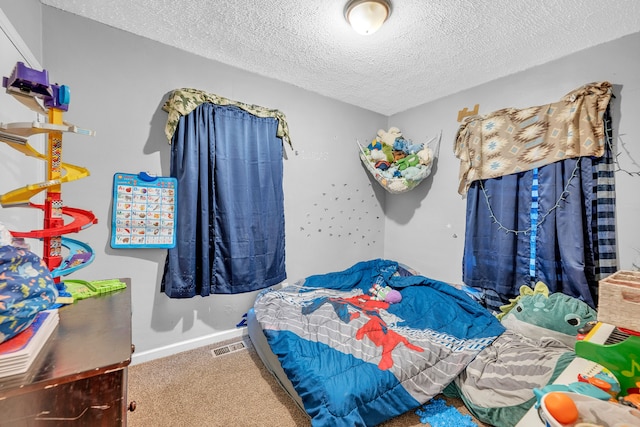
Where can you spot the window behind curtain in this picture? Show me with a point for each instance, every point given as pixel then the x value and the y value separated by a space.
pixel 230 219
pixel 569 248
pixel 541 197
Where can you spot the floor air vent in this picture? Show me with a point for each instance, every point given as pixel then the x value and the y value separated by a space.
pixel 229 348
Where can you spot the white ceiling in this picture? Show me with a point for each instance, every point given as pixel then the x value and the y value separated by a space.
pixel 428 49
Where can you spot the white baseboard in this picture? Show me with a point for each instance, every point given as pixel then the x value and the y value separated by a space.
pixel 157 353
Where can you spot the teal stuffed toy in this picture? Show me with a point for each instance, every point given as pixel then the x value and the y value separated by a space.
pixel 537 314
pixel 413 173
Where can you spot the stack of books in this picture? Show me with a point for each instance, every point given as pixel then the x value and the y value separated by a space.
pixel 18 353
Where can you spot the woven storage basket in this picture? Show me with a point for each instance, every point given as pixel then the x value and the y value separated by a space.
pixel 619 300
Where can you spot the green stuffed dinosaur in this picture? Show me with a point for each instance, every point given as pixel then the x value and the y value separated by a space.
pixel 537 314
pixel 497 386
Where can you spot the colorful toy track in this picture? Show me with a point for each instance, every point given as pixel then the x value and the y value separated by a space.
pixel 81 220
pixel 22 195
pixel 31 88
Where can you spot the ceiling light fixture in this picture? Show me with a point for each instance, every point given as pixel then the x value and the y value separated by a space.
pixel 367 16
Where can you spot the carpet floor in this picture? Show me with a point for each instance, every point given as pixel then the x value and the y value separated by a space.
pixel 196 388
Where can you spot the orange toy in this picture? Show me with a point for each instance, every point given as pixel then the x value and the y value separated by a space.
pixel 561 407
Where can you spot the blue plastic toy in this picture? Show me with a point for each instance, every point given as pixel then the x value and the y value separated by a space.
pixel 438 414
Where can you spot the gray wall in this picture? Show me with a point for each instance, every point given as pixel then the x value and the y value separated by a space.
pixel 118 84
pixel 427 228
pixel 26 17
pixel 14 174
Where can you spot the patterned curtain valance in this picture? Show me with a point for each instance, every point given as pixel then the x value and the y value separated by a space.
pixel 510 140
pixel 183 101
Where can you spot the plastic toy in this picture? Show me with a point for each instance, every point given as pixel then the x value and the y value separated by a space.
pixel 438 414
pixel 583 331
pixel 602 381
pixel 632 400
pixel 81 289
pixel 584 410
pixel 31 88
pixel 144 209
pixel 575 387
pixel 561 407
pixel 622 359
pixel 385 293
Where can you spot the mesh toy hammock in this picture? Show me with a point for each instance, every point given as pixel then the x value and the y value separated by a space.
pixel 394 181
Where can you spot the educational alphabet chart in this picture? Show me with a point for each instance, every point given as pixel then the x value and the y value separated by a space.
pixel 144 211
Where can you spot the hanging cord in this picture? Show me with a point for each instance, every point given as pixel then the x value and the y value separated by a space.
pixel 563 197
pixel 617 162
pixel 436 151
pixel 609 141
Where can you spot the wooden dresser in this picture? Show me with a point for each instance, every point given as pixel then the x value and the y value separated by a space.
pixel 80 376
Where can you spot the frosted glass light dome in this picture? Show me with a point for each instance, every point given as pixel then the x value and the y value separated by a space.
pixel 367 16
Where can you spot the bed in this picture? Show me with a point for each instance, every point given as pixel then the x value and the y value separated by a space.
pixel 349 359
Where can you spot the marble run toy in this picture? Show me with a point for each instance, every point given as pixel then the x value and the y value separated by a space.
pixel 31 87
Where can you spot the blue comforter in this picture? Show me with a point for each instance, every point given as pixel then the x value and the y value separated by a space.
pixel 355 361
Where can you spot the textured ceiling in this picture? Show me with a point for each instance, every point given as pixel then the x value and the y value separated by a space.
pixel 428 49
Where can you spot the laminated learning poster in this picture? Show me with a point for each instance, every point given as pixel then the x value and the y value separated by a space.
pixel 144 209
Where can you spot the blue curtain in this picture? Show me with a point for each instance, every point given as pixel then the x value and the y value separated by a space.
pixel 554 224
pixel 230 218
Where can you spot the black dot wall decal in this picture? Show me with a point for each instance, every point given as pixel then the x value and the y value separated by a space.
pixel 344 207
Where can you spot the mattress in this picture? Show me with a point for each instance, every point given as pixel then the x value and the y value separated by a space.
pixel 347 358
pixel 269 359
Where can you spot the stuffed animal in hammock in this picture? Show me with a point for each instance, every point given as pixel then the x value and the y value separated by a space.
pixel 390 136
